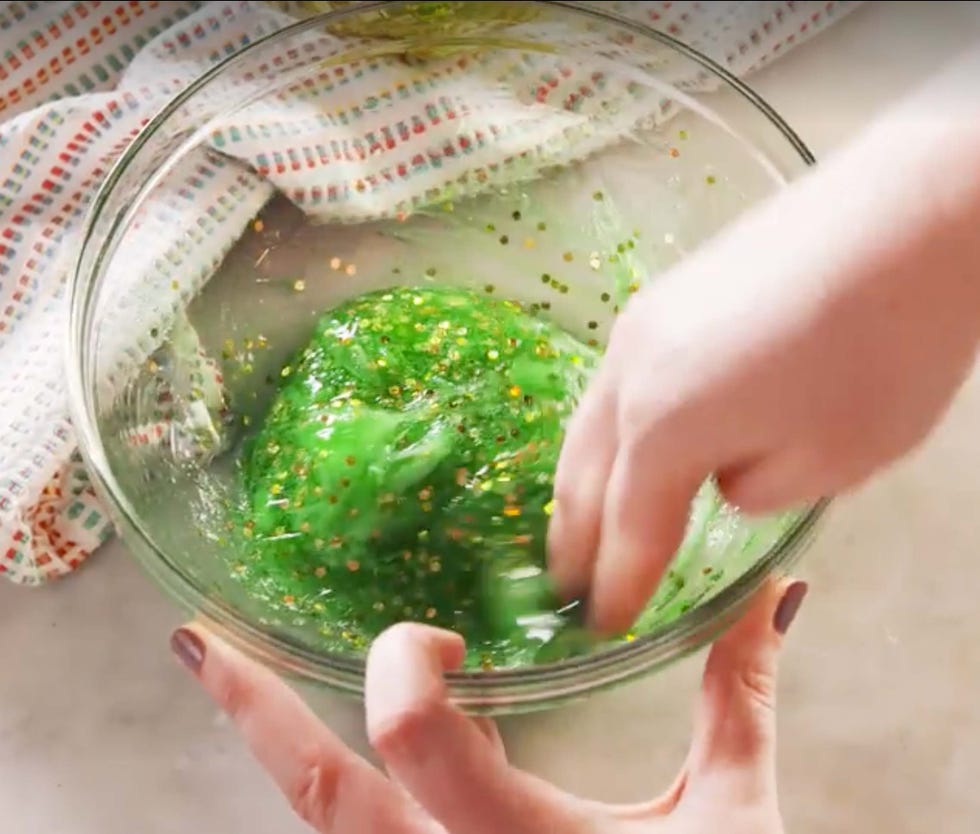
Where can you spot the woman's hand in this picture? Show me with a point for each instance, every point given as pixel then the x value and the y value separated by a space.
pixel 448 774
pixel 813 342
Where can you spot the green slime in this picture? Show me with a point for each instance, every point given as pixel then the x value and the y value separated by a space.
pixel 405 472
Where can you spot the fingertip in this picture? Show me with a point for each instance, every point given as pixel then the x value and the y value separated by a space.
pixel 416 656
pixel 581 476
pixel 766 620
pixel 188 647
pixel 568 564
pixel 616 598
pixel 643 526
pixel 445 647
pixel 792 594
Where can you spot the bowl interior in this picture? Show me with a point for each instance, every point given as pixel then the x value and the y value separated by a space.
pixel 558 158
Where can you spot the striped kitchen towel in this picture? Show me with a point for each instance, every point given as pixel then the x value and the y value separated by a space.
pixel 78 80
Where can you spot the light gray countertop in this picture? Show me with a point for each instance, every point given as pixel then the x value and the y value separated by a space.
pixel 101 732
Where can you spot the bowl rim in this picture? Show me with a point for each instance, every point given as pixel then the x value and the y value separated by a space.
pixel 497 690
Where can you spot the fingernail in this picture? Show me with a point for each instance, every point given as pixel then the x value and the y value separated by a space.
pixel 189 648
pixel 788 606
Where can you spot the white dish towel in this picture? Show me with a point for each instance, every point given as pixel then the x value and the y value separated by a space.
pixel 79 79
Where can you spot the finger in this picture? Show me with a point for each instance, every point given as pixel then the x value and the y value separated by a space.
pixel 444 759
pixel 580 482
pixel 326 784
pixel 644 516
pixel 774 482
pixel 735 728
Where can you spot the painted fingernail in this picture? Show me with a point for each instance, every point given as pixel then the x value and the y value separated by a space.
pixel 788 606
pixel 189 648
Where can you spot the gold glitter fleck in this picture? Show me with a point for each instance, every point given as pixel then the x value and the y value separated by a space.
pixel 430 613
pixel 299 285
pixel 514 390
pixel 353 566
pixel 512 511
pixel 320 572
pixel 350 270
pixel 258 225
pixel 549 508
pixel 335 264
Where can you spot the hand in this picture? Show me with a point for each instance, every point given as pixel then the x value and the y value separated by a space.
pixel 449 774
pixel 812 343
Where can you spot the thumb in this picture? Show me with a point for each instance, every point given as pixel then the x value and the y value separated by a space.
pixel 735 726
pixel 452 765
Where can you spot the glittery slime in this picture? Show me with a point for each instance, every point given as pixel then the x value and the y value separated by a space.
pixel 404 472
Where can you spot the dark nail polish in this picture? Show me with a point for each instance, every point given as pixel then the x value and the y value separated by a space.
pixel 788 606
pixel 189 648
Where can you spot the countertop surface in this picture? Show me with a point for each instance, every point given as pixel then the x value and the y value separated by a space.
pixel 102 733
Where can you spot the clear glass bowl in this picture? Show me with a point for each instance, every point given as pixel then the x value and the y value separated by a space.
pixel 555 155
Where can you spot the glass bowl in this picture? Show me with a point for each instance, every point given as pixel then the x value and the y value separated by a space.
pixel 546 153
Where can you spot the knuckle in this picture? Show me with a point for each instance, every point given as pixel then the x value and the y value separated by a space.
pixel 651 415
pixel 233 695
pixel 746 493
pixel 757 686
pixel 403 731
pixel 565 491
pixel 313 793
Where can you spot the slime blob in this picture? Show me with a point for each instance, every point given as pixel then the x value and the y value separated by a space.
pixel 405 469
